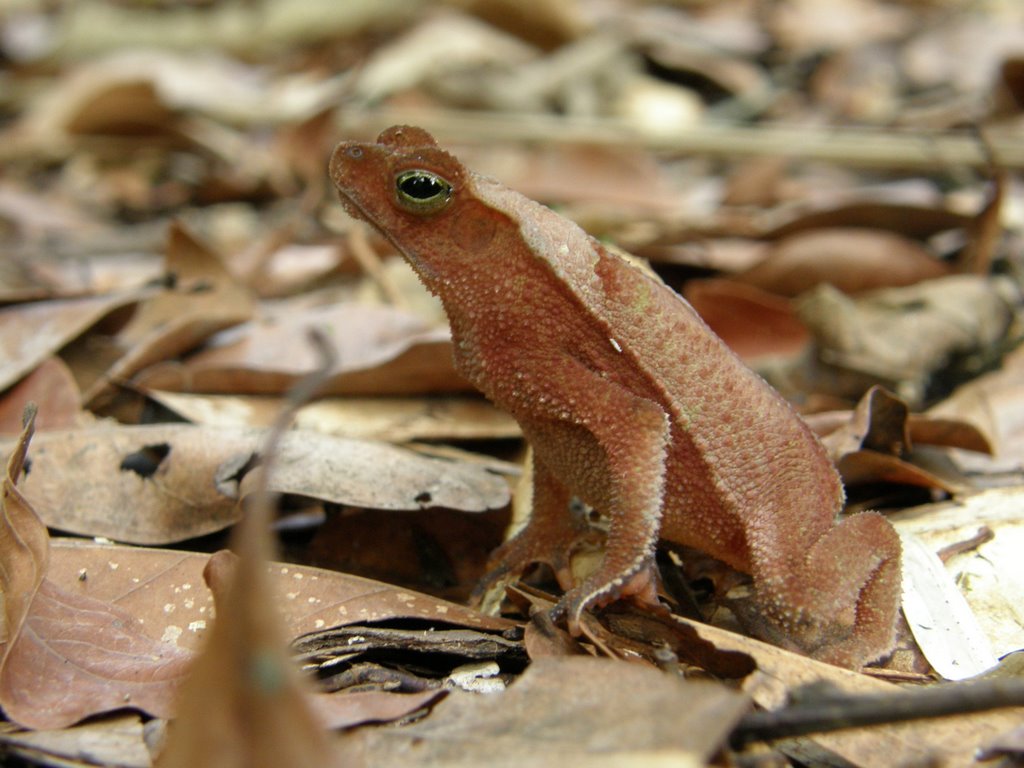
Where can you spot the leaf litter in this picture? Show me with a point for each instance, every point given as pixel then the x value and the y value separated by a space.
pixel 162 211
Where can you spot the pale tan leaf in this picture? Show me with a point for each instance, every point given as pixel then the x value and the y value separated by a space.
pixel 365 474
pixel 394 419
pixel 112 740
pixel 169 482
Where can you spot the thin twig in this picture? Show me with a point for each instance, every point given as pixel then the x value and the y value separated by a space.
pixel 830 713
pixel 866 147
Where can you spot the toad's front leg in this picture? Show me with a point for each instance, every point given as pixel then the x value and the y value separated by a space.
pixel 609 446
pixel 550 535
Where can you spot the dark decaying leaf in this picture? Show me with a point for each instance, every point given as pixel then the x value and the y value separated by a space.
pixel 400 658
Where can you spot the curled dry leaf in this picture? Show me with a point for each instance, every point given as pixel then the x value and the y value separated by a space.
pixel 874 442
pixel 202 300
pixel 67 656
pixel 879 423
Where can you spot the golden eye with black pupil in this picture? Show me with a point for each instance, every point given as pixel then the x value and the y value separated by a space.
pixel 422 192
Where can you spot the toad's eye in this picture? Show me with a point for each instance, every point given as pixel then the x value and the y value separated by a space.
pixel 422 192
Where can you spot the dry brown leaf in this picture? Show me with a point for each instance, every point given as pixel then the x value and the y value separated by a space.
pixel 202 299
pixel 24 546
pixel 753 322
pixel 169 482
pixel 51 387
pixel 30 333
pixel 137 484
pixel 868 466
pixel 380 351
pixel 1008 96
pixel 560 712
pixel 542 22
pixel 852 260
pixel 77 657
pixel 164 589
pixel 879 423
pixel 65 656
pixel 986 230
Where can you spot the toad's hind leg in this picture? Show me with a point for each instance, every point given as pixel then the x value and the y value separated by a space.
pixel 838 601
